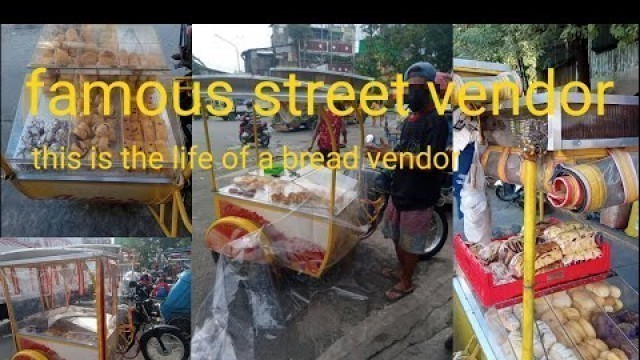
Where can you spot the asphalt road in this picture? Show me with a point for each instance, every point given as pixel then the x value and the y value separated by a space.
pixel 22 217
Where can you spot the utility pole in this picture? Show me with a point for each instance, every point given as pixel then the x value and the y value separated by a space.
pixel 234 46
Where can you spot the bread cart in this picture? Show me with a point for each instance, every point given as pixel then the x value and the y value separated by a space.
pixel 574 310
pixel 62 302
pixel 305 220
pixel 86 53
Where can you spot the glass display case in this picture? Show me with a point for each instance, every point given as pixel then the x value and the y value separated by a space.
pixel 61 301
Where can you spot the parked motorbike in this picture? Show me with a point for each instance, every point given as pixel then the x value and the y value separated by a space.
pixel 246 131
pixel 156 341
pixel 514 193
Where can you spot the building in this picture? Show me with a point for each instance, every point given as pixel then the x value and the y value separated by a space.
pixel 319 46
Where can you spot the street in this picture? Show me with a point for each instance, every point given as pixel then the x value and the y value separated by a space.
pixel 342 315
pixel 22 217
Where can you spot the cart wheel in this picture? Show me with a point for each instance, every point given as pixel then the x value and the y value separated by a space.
pixel 29 355
pixel 224 231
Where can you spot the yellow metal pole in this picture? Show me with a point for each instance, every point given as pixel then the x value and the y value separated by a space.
pixel 540 206
pixel 529 257
pixel 205 118
pixel 12 316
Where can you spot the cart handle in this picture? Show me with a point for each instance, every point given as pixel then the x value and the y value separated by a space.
pixel 250 227
pixel 29 354
pixel 8 173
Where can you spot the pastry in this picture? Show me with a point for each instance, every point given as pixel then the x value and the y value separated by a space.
pixel 598 288
pixel 88 58
pixel 614 291
pixel 561 352
pixel 554 230
pixel 547 336
pixel 80 147
pixel 148 131
pixel 547 254
pixel 134 60
pixel 541 305
pixel 161 129
pixel 608 355
pixel 561 300
pixel 107 58
pixel 620 354
pixel 583 302
pixel 561 335
pixel 87 34
pixel 71 35
pixel 618 305
pixel 508 319
pixel 586 352
pixel 598 344
pixel 82 131
pixel 575 331
pixel 590 332
pixel 123 59
pixel 571 313
pixel 515 339
pixel 62 57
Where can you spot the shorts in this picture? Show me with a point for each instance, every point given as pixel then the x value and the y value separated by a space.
pixel 408 229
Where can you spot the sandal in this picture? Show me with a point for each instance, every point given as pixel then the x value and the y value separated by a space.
pixel 394 294
pixel 390 273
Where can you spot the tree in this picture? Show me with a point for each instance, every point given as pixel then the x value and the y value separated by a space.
pixel 394 47
pixel 149 247
pixel 533 48
pixel 299 33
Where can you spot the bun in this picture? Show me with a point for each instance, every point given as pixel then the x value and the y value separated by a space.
pixel 571 313
pixel 615 291
pixel 588 328
pixel 561 300
pixel 598 344
pixel 575 331
pixel 619 353
pixel 599 289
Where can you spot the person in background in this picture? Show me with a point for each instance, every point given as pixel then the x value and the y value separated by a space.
pixel 161 290
pixel 408 217
pixel 321 132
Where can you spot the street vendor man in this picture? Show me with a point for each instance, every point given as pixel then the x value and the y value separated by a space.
pixel 414 191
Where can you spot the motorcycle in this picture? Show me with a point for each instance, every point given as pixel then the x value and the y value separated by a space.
pixel 246 131
pixel 514 193
pixel 155 341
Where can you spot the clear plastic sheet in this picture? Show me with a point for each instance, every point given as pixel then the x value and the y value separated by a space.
pixel 587 187
pixel 256 311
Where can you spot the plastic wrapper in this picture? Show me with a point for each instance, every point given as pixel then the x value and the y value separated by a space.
pixel 587 187
pixel 616 217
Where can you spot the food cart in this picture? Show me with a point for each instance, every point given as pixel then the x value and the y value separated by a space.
pixel 70 309
pixel 86 53
pixel 564 301
pixel 305 219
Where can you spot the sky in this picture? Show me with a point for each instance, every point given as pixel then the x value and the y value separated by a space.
pixel 219 54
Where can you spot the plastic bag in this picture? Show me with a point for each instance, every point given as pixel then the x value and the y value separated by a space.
pixel 474 204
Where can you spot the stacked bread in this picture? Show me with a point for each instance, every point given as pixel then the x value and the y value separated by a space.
pixel 95 130
pixel 568 315
pixel 576 240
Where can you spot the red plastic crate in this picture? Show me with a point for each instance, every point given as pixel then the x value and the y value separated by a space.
pixel 489 294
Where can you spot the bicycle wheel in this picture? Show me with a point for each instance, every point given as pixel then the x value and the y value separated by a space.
pixel 164 343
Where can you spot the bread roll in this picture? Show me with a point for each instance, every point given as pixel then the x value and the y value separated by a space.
pixel 588 328
pixel 618 305
pixel 571 313
pixel 582 300
pixel 553 318
pixel 591 349
pixel 598 288
pixel 561 300
pixel 598 344
pixel 575 331
pixel 586 353
pixel 541 305
pixel 620 354
pixel 561 335
pixel 614 291
pixel 508 319
pixel 609 355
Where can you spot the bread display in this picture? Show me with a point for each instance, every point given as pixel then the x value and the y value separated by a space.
pixel 97 46
pixel 39 133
